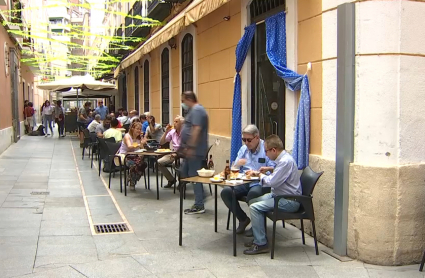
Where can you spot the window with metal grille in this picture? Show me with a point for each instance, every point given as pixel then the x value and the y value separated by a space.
pixel 136 88
pixel 187 64
pixel 165 88
pixel 261 9
pixel 146 86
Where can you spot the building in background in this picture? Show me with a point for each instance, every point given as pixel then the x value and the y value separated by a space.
pixel 195 50
pixel 21 38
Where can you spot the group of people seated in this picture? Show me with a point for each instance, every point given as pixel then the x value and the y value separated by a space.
pixel 278 175
pixel 141 129
pixel 267 159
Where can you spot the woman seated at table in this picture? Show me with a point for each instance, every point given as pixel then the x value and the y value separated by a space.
pixel 154 130
pixel 131 142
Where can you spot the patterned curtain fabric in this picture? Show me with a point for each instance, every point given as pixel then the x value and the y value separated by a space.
pixel 276 51
pixel 241 52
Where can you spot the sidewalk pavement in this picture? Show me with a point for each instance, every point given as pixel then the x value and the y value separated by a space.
pixel 50 198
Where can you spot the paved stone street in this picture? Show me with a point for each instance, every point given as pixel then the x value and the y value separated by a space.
pixel 51 235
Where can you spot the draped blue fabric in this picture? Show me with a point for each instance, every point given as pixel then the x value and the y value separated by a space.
pixel 276 51
pixel 241 52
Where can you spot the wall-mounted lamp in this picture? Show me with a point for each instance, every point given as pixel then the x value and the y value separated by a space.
pixel 172 43
pixel 226 18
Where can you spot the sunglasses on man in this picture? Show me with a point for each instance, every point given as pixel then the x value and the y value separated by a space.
pixel 249 140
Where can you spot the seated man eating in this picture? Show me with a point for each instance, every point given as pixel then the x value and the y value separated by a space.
pixel 170 135
pixel 251 156
pixel 285 180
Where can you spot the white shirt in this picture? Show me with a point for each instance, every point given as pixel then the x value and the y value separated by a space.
pixel 92 126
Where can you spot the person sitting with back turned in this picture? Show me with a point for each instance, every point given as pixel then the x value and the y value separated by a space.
pixel 124 120
pixel 285 180
pixel 100 129
pixel 251 156
pixel 170 135
pixel 113 132
pixel 133 115
pixel 92 126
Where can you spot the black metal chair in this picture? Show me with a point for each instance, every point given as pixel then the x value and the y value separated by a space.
pixel 309 179
pixel 88 143
pixel 103 150
pixel 112 150
pixel 126 127
pixel 421 267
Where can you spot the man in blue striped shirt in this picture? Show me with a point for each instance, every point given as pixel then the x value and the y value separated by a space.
pixel 251 156
pixel 285 180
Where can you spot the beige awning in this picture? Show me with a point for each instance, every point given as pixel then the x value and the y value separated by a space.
pixel 201 9
pixel 192 13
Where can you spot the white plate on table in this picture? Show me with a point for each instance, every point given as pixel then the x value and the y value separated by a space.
pixel 251 179
pixel 140 151
pixel 213 180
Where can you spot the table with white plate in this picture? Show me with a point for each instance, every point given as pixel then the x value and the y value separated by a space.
pixel 222 183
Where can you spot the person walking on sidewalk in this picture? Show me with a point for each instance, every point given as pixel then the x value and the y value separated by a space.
pixel 48 117
pixel 60 118
pixel 29 113
pixel 194 146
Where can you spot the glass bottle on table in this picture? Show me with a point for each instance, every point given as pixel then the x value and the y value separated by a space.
pixel 210 163
pixel 227 170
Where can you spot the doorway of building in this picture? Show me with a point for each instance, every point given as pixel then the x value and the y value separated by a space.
pixel 267 89
pixel 15 94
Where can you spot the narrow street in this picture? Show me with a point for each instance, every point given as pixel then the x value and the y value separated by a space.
pixel 50 198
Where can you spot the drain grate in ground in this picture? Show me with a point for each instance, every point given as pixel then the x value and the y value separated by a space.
pixel 111 228
pixel 40 193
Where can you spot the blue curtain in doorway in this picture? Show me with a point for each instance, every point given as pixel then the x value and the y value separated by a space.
pixel 241 52
pixel 276 51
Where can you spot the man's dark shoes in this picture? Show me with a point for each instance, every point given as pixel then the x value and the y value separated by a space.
pixel 257 249
pixel 170 184
pixel 195 210
pixel 242 226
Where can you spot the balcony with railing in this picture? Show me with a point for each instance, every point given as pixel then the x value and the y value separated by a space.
pixel 161 9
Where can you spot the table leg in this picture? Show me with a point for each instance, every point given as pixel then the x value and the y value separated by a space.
pixel 215 209
pixel 234 220
pixel 149 180
pixel 157 183
pixel 181 214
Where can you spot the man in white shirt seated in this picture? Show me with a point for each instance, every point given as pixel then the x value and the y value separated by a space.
pixel 92 126
pixel 113 132
pixel 133 115
pixel 285 180
pixel 124 118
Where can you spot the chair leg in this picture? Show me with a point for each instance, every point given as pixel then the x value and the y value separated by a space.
pixel 273 238
pixel 228 220
pixel 100 165
pixel 421 267
pixel 110 174
pixel 121 179
pixel 315 238
pixel 302 231
pixel 283 223
pixel 144 176
pixel 82 153
pixel 92 155
pixel 162 179
pixel 210 189
pixel 265 224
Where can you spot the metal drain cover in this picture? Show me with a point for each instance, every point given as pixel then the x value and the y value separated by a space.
pixel 111 228
pixel 40 193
